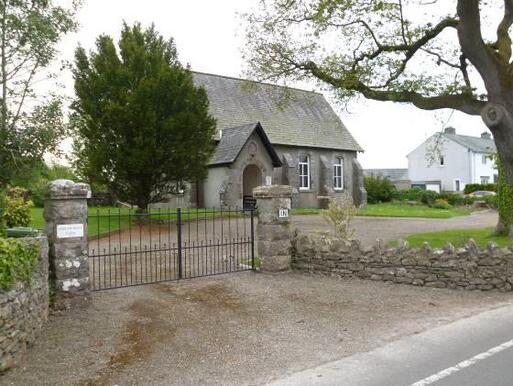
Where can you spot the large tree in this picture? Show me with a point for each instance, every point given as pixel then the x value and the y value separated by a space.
pixel 142 126
pixel 433 54
pixel 31 122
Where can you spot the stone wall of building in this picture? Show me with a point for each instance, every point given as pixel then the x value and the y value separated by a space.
pixel 468 268
pixel 24 310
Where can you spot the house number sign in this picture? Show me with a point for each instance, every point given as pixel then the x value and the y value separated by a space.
pixel 65 231
pixel 283 213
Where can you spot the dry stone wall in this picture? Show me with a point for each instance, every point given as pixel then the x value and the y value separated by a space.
pixel 24 310
pixel 468 268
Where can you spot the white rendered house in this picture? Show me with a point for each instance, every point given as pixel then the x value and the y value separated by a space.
pixel 448 161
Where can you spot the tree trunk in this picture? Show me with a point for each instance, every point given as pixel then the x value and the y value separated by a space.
pixel 500 121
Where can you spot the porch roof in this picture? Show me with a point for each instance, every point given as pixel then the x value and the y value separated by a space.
pixel 233 140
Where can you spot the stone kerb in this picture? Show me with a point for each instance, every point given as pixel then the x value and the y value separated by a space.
pixel 66 227
pixel 469 268
pixel 273 229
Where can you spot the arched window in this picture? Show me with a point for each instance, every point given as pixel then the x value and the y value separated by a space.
pixel 338 174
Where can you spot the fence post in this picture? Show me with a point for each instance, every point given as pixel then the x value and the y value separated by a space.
pixel 179 241
pixel 273 233
pixel 66 226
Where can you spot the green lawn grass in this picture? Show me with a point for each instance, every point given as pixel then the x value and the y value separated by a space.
pixel 102 220
pixel 396 210
pixel 457 237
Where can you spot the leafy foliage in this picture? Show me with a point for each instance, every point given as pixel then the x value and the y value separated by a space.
pixel 379 189
pixel 340 214
pixel 36 178
pixel 440 203
pixel 17 210
pixel 142 127
pixel 17 262
pixel 504 201
pixel 31 124
pixel 470 188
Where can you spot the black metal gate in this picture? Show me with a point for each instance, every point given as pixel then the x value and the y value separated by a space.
pixel 128 248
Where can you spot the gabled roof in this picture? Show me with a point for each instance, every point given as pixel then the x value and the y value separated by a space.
pixel 233 140
pixel 290 116
pixel 392 174
pixel 476 144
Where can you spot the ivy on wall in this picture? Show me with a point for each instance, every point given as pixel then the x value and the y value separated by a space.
pixel 17 262
pixel 505 200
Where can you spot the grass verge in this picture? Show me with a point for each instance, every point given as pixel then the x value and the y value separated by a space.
pixel 457 237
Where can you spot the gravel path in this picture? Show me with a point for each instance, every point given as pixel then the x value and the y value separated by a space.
pixel 368 229
pixel 243 328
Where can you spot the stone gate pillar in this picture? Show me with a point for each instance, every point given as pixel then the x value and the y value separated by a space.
pixel 273 232
pixel 66 226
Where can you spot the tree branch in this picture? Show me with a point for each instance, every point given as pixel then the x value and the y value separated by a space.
pixel 462 102
pixel 474 48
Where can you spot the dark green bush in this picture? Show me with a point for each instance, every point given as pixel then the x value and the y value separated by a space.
pixel 470 188
pixel 428 197
pixel 379 189
pixel 17 262
pixel 453 199
pixel 413 194
pixel 492 201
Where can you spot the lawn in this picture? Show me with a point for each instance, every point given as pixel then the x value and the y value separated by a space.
pixel 102 220
pixel 396 210
pixel 457 237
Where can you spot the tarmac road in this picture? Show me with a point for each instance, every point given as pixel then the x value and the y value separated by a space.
pixel 476 351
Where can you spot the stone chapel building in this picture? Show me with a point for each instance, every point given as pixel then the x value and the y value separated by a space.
pixel 270 134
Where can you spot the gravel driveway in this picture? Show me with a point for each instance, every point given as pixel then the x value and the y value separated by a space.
pixel 243 328
pixel 368 229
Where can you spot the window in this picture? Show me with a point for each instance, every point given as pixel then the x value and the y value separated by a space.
pixel 457 185
pixel 485 159
pixel 442 161
pixel 338 174
pixel 485 180
pixel 304 172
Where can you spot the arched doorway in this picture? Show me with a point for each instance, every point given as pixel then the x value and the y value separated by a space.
pixel 251 178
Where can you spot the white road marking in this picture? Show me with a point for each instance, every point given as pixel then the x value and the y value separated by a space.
pixel 466 363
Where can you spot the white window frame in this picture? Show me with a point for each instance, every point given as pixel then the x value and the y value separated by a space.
pixel 301 166
pixel 441 161
pixel 484 159
pixel 338 174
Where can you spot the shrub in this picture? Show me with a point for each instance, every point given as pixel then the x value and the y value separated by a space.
pixel 454 199
pixel 17 208
pixel 17 262
pixel 440 203
pixel 492 201
pixel 413 194
pixel 379 189
pixel 340 213
pixel 470 188
pixel 428 197
pixel 3 204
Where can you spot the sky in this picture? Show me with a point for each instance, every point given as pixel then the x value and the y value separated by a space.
pixel 209 36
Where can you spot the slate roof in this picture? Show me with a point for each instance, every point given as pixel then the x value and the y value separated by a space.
pixel 476 144
pixel 232 141
pixel 289 116
pixel 392 174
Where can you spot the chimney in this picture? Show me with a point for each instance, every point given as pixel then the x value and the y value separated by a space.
pixel 486 135
pixel 450 130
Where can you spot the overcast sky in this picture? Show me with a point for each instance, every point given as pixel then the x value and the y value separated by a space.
pixel 209 35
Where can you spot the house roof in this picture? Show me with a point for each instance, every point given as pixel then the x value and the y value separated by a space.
pixel 392 174
pixel 476 144
pixel 233 140
pixel 290 116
